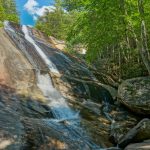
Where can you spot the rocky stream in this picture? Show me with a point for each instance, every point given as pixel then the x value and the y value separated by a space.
pixel 50 100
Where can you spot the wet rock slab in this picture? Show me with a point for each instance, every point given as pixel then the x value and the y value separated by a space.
pixel 14 108
pixel 27 123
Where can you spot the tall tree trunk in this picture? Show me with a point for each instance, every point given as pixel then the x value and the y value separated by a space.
pixel 119 61
pixel 143 43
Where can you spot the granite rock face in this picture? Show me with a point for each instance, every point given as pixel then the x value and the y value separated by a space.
pixel 26 119
pixel 25 124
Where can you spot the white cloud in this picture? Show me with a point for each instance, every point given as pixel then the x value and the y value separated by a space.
pixel 42 10
pixel 33 8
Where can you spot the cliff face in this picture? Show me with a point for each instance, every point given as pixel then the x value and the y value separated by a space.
pixel 50 100
pixel 14 67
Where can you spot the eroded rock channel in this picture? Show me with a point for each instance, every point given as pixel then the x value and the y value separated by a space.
pixel 50 100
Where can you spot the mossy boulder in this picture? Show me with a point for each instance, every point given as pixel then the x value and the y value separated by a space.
pixel 135 94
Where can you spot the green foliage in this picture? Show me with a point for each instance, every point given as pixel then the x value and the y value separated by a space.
pixel 56 23
pixel 70 5
pixel 110 30
pixel 8 11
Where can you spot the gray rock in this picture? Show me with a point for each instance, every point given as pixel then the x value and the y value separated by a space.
pixel 139 133
pixel 139 146
pixel 135 94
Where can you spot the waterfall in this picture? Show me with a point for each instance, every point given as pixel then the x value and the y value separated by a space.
pixel 56 101
pixel 51 66
pixel 7 27
pixel 66 121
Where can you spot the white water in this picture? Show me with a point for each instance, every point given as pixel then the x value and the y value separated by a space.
pixel 59 106
pixel 7 27
pixel 56 101
pixel 51 66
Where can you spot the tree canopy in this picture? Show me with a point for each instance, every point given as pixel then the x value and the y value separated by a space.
pixel 55 22
pixel 8 11
pixel 115 33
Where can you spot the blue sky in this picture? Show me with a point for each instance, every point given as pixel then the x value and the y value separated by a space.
pixel 30 10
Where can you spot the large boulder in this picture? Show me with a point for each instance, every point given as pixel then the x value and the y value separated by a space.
pixel 135 94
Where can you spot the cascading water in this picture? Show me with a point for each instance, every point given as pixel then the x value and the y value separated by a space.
pixel 59 107
pixel 66 120
pixel 7 27
pixel 51 66
pixel 57 103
